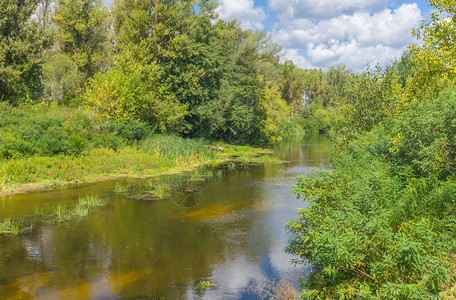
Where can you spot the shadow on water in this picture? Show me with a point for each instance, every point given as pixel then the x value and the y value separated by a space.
pixel 163 238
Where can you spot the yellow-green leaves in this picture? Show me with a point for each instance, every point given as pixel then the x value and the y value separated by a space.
pixel 434 60
pixel 134 92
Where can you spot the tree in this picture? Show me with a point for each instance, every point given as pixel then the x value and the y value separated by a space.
pixel 82 33
pixel 132 90
pixel 293 87
pixel 61 78
pixel 272 111
pixel 19 52
pixel 434 61
pixel 382 225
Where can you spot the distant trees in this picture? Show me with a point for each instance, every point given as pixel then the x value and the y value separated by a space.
pixel 167 62
pixel 145 59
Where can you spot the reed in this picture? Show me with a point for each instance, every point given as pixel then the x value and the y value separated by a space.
pixel 119 188
pixel 9 226
pixel 60 212
pixel 91 201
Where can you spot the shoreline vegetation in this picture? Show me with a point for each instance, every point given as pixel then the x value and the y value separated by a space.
pixel 86 206
pixel 141 160
pixel 382 224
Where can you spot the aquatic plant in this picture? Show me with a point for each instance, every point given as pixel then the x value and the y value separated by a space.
pixel 206 285
pixel 119 188
pixel 60 211
pixel 91 201
pixel 84 207
pixel 9 226
pixel 175 147
pixel 79 211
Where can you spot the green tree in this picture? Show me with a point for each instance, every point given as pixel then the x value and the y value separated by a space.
pixel 82 33
pixel 381 227
pixel 133 90
pixel 434 61
pixel 19 52
pixel 293 87
pixel 61 79
pixel 272 112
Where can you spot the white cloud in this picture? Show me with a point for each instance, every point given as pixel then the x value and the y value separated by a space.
pixel 296 58
pixel 353 40
pixel 249 17
pixel 322 9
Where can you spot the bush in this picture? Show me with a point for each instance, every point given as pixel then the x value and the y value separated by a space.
pixel 134 92
pixel 132 130
pixel 383 225
pixel 46 131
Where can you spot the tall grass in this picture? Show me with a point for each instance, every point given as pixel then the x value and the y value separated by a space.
pixel 60 212
pixel 85 206
pixel 175 147
pixel 9 226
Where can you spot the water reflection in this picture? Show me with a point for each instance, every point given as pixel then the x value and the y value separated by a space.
pixel 227 228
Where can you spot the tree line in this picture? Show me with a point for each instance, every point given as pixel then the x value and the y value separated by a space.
pixel 171 64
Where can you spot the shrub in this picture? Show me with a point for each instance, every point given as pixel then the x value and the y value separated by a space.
pixel 382 226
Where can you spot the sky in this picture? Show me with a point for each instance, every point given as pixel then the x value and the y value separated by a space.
pixel 324 33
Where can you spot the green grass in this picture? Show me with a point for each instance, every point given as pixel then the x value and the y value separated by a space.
pixel 60 212
pixel 9 227
pixel 91 202
pixel 158 154
pixel 119 188
pixel 85 206
pixel 206 285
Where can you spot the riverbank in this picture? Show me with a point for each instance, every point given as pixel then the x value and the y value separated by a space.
pixel 154 156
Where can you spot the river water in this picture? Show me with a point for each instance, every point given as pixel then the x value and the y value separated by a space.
pixel 225 227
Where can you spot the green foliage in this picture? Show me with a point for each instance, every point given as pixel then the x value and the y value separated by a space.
pixel 371 97
pixel 134 92
pixel 434 61
pixel 60 78
pixel 82 33
pixel 176 147
pixel 85 206
pixel 325 97
pixel 171 64
pixel 9 227
pixel 293 86
pixel 46 131
pixel 319 120
pixel 19 48
pixel 382 226
pixel 272 112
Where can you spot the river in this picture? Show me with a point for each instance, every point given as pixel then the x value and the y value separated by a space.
pixel 224 227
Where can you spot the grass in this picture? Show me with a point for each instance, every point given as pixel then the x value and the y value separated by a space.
pixel 206 285
pixel 119 188
pixel 9 227
pixel 60 212
pixel 158 154
pixel 85 206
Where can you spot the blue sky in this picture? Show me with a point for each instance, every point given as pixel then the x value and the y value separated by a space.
pixel 323 33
